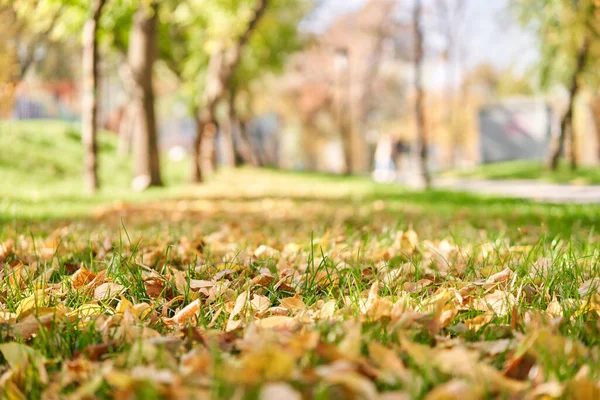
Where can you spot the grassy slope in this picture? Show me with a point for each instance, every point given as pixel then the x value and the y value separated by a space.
pixel 529 170
pixel 41 169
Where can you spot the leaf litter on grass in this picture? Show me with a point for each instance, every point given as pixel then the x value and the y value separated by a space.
pixel 275 311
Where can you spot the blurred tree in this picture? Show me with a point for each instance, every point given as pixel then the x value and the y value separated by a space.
pixel 276 39
pixel 28 25
pixel 450 20
pixel 8 61
pixel 224 59
pixel 89 112
pixel 202 44
pixel 420 95
pixel 141 56
pixel 55 17
pixel 493 83
pixel 21 45
pixel 128 26
pixel 568 32
pixel 335 87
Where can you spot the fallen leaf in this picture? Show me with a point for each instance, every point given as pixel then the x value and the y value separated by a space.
pixel 18 355
pixel 108 290
pixel 478 322
pixel 81 278
pixel 184 315
pixel 501 276
pixel 260 304
pixel 293 303
pixel 279 391
pixel 37 299
pixel 499 302
pixel 277 322
pixel 457 390
pixel 327 310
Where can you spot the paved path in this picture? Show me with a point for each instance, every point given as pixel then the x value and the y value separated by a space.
pixel 526 189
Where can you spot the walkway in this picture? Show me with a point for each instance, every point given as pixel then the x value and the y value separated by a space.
pixel 525 189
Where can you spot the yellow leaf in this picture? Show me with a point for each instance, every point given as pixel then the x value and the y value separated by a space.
pixel 457 390
pixel 356 383
pixel 86 310
pixel 123 305
pixel 327 310
pixel 277 322
pixel 351 344
pixel 387 360
pixel 31 302
pixel 240 302
pixel 499 302
pixel 12 392
pixel 478 322
pixel 108 290
pixel 183 315
pixel 279 391
pixel 293 303
pixel 18 355
pixel 260 304
pixel 554 308
pixel 501 276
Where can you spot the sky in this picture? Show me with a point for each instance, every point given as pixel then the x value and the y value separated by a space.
pixel 491 33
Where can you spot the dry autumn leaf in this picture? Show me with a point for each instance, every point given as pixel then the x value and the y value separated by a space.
pixel 81 278
pixel 108 290
pixel 185 314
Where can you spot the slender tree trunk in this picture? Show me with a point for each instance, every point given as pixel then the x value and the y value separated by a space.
pixel 221 67
pixel 347 148
pixel 89 114
pixel 197 175
pixel 142 53
pixel 420 97
pixel 227 150
pixel 573 161
pixel 342 113
pixel 566 122
pixel 241 143
pixel 128 118
pixel 310 144
pixel 595 110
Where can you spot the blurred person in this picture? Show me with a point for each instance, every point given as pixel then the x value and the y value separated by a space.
pixel 385 165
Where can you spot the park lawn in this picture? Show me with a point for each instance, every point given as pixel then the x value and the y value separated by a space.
pixel 273 284
pixel 529 170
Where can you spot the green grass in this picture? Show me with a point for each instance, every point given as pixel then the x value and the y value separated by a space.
pixel 529 170
pixel 377 288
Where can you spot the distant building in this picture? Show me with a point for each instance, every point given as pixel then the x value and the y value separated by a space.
pixel 515 129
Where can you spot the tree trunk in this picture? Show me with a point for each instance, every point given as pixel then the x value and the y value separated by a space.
pixel 420 97
pixel 127 123
pixel 142 53
pixel 595 110
pixel 573 159
pixel 220 69
pixel 197 175
pixel 242 147
pixel 227 151
pixel 566 122
pixel 342 110
pixel 346 136
pixel 89 112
